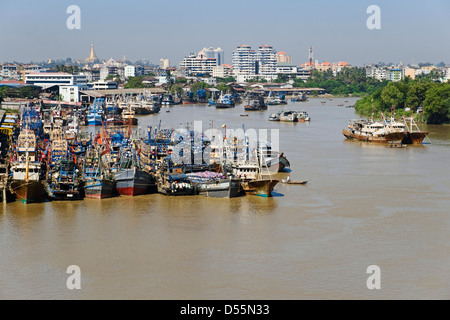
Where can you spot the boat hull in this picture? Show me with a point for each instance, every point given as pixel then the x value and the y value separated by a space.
pixel 132 182
pixel 251 108
pixel 66 195
pixel 391 137
pixel 99 189
pixel 224 106
pixel 260 187
pixel 29 191
pixel 415 138
pixel 220 188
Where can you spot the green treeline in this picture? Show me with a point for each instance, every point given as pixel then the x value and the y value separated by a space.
pixel 432 97
pixel 347 82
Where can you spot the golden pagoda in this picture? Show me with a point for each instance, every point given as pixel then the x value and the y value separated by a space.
pixel 92 57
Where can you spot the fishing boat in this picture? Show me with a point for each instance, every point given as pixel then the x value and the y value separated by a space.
pixel 283 163
pixel 374 131
pixel 28 173
pixel 255 105
pixel 145 107
pixel 173 181
pixel 168 100
pixel 131 179
pixel 302 116
pixel 414 135
pixel 225 101
pixel 250 174
pixel 98 181
pixel 95 112
pixel 274 117
pixel 215 184
pixel 64 181
pixel 114 120
pixel 279 99
pixel 112 107
pixel 288 116
pixel 72 129
pixel 128 116
pixel 299 98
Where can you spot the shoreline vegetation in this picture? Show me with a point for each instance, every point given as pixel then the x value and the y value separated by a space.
pixel 427 100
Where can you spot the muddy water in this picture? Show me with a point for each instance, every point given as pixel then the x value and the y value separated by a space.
pixel 364 205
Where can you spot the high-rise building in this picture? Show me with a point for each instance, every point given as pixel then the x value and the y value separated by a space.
pixel 248 63
pixel 283 57
pixel 266 59
pixel 214 53
pixel 199 63
pixel 164 63
pixel 244 60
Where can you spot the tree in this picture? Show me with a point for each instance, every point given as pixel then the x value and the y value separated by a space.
pixel 416 94
pixel 134 82
pixel 199 85
pixel 436 105
pixel 391 95
pixel 223 87
pixel 176 89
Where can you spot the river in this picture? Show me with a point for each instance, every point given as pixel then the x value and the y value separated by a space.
pixel 364 205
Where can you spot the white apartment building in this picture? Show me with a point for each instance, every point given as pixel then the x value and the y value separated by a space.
pixel 377 73
pixel 248 63
pixel 71 93
pixel 164 63
pixel 103 85
pixel 129 71
pixel 9 71
pixel 222 71
pixel 266 58
pixel 199 63
pixel 48 79
pixel 244 61
pixel 133 71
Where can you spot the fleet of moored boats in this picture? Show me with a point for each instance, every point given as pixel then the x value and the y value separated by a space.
pixel 49 156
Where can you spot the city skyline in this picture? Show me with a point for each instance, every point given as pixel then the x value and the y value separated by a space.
pixel 173 29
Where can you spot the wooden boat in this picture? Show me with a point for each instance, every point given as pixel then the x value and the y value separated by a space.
pixel 285 181
pixel 28 173
pixel 260 187
pixel 255 105
pixel 283 162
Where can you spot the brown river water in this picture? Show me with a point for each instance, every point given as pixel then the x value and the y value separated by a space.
pixel 364 205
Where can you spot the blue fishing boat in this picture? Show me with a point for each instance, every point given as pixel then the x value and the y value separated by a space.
pixel 95 112
pixel 64 182
pixel 98 181
pixel 225 101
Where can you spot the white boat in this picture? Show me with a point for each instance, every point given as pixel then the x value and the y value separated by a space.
pixel 274 117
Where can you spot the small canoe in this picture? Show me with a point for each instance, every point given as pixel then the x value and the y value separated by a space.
pixel 294 182
pixel 244 115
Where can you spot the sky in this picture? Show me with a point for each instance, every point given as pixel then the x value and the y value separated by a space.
pixel 411 31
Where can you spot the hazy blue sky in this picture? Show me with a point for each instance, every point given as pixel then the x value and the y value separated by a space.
pixel 411 31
